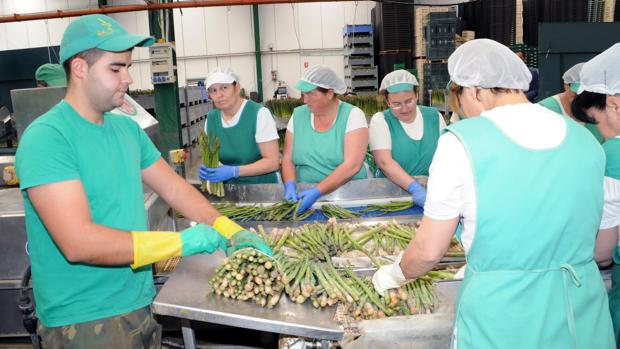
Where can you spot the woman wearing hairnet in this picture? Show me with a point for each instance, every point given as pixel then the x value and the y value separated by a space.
pixel 526 185
pixel 326 139
pixel 598 103
pixel 403 138
pixel 246 131
pixel 561 102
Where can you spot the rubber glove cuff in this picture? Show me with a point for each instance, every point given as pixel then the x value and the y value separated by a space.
pixel 226 226
pixel 389 276
pixel 154 246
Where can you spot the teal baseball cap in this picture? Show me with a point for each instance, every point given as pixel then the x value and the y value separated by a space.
pixel 53 74
pixel 101 32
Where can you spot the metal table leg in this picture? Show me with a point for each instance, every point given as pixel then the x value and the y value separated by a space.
pixel 189 339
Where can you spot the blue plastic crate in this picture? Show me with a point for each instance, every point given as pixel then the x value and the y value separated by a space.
pixel 356 28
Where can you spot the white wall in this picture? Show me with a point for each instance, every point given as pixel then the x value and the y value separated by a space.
pixel 292 37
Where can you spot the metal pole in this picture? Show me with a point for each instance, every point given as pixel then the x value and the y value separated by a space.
pixel 259 65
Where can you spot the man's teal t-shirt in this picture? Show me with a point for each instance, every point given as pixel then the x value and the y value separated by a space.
pixel 107 159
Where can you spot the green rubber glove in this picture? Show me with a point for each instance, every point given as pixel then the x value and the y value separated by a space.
pixel 201 238
pixel 244 239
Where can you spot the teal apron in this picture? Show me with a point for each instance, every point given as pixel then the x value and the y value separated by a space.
pixel 414 156
pixel 553 104
pixel 238 145
pixel 317 154
pixel 531 281
pixel 612 169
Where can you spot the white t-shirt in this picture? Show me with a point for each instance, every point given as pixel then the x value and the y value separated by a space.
pixel 557 99
pixel 379 131
pixel 265 124
pixel 451 191
pixel 611 208
pixel 356 120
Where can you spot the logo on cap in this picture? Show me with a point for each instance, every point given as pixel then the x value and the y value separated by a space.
pixel 108 28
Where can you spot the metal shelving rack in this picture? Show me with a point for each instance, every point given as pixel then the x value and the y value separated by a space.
pixel 360 73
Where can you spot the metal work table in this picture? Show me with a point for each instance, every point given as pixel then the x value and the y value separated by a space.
pixel 187 295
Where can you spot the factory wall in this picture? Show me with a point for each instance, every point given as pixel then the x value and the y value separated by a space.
pixel 292 37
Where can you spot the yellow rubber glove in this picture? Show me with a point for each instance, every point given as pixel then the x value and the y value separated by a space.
pixel 154 246
pixel 226 226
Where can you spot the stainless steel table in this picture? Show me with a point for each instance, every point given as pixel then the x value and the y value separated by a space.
pixel 187 295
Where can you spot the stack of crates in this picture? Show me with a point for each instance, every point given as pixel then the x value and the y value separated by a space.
pixel 440 43
pixel 530 53
pixel 360 73
pixel 440 35
pixel 421 20
pixel 194 106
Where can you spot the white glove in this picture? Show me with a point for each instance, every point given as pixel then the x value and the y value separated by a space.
pixel 389 276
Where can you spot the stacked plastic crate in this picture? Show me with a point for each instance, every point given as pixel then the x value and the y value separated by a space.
pixel 530 53
pixel 421 21
pixel 194 107
pixel 360 73
pixel 440 43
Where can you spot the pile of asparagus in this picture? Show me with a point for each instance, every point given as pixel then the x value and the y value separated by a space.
pixel 209 151
pixel 303 268
pixel 282 211
pixel 394 206
pixel 325 286
pixel 249 275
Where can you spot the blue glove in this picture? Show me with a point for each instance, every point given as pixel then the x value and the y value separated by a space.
pixel 244 239
pixel 418 193
pixel 218 174
pixel 308 197
pixel 290 191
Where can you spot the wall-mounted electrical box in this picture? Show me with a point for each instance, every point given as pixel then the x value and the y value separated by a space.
pixel 162 68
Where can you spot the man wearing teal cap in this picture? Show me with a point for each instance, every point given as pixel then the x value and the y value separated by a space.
pixel 403 138
pixel 561 102
pixel 51 75
pixel 81 171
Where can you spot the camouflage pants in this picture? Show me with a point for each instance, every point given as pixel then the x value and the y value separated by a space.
pixel 134 330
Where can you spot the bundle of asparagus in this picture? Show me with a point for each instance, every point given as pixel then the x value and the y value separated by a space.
pixel 336 211
pixel 248 275
pixel 209 151
pixel 394 206
pixel 285 210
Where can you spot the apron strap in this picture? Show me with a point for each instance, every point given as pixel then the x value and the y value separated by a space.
pixel 569 274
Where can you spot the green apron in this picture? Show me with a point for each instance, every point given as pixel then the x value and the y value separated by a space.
pixel 531 281
pixel 317 154
pixel 612 169
pixel 553 104
pixel 238 145
pixel 414 156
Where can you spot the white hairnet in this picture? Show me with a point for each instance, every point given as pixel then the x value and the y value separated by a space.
pixel 488 64
pixel 601 74
pixel 398 77
pixel 221 75
pixel 321 76
pixel 572 75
